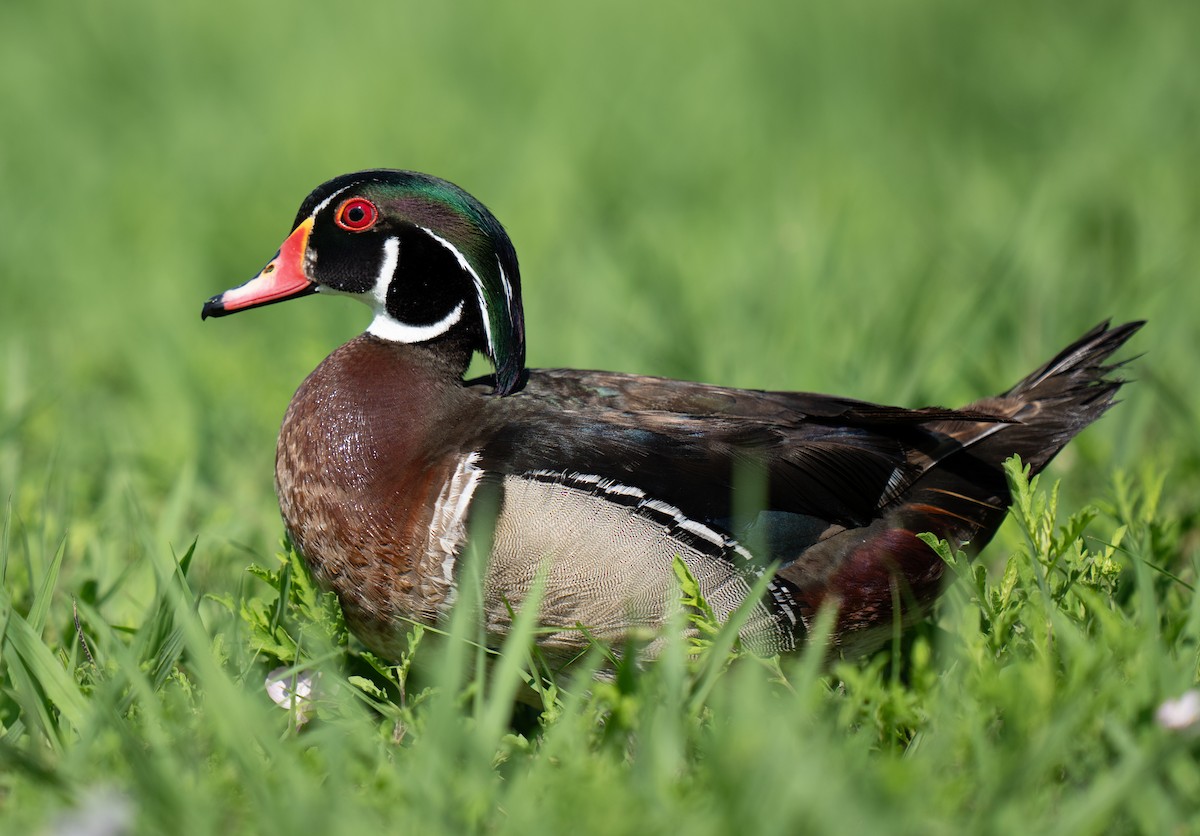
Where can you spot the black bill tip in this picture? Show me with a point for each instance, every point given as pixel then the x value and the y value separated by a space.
pixel 214 307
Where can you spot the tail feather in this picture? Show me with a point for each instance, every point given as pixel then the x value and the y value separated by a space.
pixel 965 496
pixel 1080 361
pixel 962 497
pixel 1051 405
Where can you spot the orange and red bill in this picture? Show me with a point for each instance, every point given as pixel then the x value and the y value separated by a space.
pixel 282 278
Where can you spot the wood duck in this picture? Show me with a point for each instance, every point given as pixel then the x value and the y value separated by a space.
pixel 604 478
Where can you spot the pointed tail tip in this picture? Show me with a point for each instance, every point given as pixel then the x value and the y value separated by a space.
pixel 1080 365
pixel 1053 404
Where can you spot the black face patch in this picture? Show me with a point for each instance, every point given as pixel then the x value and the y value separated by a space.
pixel 349 262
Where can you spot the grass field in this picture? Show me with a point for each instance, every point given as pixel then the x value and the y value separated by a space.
pixel 910 203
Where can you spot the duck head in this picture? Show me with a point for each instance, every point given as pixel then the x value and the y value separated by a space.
pixel 429 260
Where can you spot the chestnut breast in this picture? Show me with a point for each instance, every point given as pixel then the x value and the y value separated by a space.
pixel 359 465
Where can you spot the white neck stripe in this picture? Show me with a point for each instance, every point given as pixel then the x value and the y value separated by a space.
pixel 386 327
pixel 466 265
pixel 507 284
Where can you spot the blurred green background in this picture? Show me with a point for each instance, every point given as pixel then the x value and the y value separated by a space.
pixel 911 203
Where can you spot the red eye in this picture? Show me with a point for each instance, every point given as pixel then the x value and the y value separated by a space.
pixel 357 214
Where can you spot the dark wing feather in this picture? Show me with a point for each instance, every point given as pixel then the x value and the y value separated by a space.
pixel 830 461
pixel 571 388
pixel 850 484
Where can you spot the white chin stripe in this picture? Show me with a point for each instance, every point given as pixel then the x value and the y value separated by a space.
pixel 387 271
pixel 387 328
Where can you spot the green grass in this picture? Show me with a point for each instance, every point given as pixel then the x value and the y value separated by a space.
pixel 911 203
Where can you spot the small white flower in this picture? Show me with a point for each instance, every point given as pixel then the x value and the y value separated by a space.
pixel 101 811
pixel 295 691
pixel 1182 714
